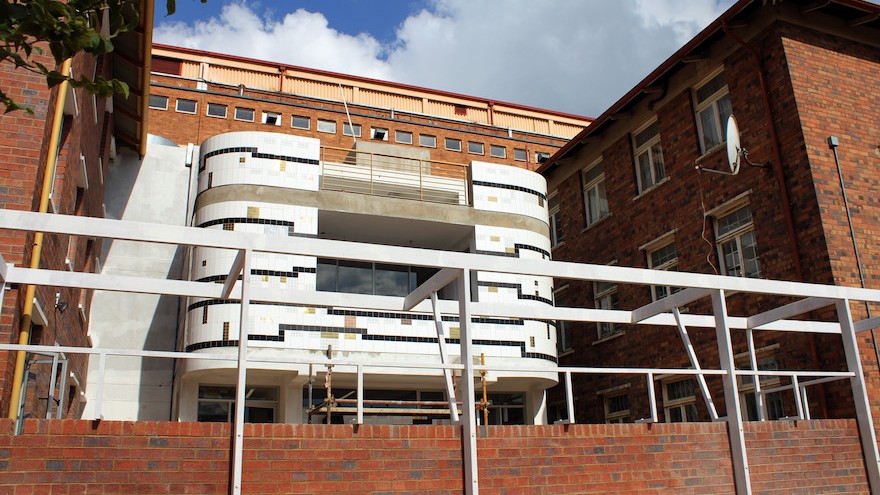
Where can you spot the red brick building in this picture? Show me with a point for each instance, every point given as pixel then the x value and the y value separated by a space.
pixel 637 189
pixel 67 142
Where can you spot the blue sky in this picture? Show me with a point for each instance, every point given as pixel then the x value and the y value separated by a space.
pixel 575 56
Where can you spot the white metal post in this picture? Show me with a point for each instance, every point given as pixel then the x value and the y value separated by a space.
pixel 692 355
pixel 444 359
pixel 99 393
pixel 731 397
pixel 652 399
pixel 360 394
pixel 860 395
pixel 569 397
pixel 753 361
pixel 468 423
pixel 796 388
pixel 241 384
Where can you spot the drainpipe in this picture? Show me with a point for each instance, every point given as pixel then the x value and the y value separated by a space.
pixel 780 179
pixel 24 333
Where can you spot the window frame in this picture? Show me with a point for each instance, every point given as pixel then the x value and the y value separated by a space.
pixel 711 102
pixel 229 402
pixel 426 136
pixel 473 146
pixel 657 174
pixel 326 128
pixel 399 134
pixel 271 118
pixel 601 295
pixel 520 155
pixel 563 328
pixel 353 130
pixel 215 105
pixel 165 108
pixel 177 106
pixel 619 416
pixel 308 121
pixel 736 235
pixel 670 264
pixel 682 404
pixel 376 130
pixel 554 217
pixel 597 183
pixel 448 140
pixel 746 386
pixel 542 156
pixel 494 147
pixel 236 115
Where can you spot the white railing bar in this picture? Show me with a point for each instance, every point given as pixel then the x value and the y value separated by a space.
pixel 102 371
pixel 652 399
pixel 797 397
pixel 792 309
pixel 569 397
pixel 806 400
pixel 753 362
pixel 695 363
pixel 360 394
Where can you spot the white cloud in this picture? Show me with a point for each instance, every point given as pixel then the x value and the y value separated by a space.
pixel 577 56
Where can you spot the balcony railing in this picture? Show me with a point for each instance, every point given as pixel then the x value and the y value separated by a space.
pixel 348 170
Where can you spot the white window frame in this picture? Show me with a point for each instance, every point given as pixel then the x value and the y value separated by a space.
pixel 308 121
pixel 165 107
pixel 710 103
pixel 271 118
pixel 520 155
pixel 237 116
pixel 353 130
pixel 618 416
pixel 403 137
pixel 563 328
pixel 328 126
pixel 497 151
pixel 554 214
pixel 773 404
pixel 743 237
pixel 681 404
pixel 177 106
pixel 448 141
pixel 541 156
pixel 671 264
pixel 476 148
pixel 379 133
pixel 427 138
pixel 604 298
pixel 594 186
pixel 652 151
pixel 209 106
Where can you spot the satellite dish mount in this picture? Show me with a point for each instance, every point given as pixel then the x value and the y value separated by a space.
pixel 736 154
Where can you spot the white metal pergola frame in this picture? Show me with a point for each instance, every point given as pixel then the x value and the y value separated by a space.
pixel 457 267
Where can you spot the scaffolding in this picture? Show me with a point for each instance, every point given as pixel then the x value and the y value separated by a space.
pixel 457 268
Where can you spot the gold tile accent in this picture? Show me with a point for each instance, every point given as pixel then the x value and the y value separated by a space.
pixel 492 199
pixel 532 341
pixel 454 333
pixel 510 250
pixel 242 159
pixel 495 238
pixel 283 280
pixel 310 311
pixel 265 278
pixel 406 322
pixel 350 336
pixel 492 288
pixel 329 335
pixel 282 165
pixel 253 212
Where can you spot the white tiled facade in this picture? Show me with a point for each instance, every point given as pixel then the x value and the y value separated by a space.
pixel 236 162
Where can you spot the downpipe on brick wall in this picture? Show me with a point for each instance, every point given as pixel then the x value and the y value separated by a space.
pixel 24 333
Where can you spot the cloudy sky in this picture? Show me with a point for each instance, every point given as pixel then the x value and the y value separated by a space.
pixel 576 56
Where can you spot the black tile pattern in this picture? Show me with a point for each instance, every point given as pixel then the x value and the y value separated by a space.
pixel 519 291
pixel 256 154
pixel 261 221
pixel 508 186
pixel 517 248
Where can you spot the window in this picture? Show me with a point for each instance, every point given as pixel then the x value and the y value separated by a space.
pixel 664 257
pixel 379 133
pixel 497 151
pixel 245 114
pixel 606 297
pixel 300 122
pixel 217 404
pixel 427 141
pixel 351 129
pixel 272 118
pixel 453 144
pixel 556 233
pixel 773 404
pixel 541 156
pixel 328 126
pixel 679 401
pixel 158 102
pixel 617 408
pixel 737 247
pixel 713 108
pixel 403 137
pixel 354 277
pixel 563 328
pixel 595 201
pixel 476 148
pixel 216 110
pixel 649 157
pixel 520 155
pixel 186 106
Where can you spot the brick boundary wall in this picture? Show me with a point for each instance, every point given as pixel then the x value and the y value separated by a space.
pixel 120 457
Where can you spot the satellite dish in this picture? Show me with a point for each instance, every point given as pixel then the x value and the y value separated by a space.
pixel 734 150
